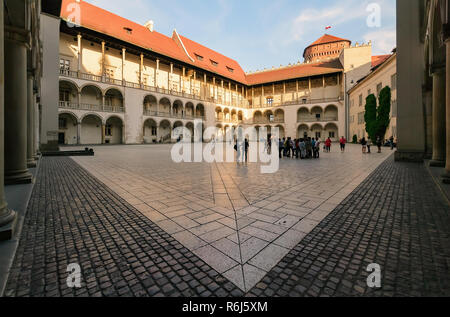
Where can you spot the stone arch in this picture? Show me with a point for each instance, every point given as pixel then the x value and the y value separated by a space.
pixel 91 129
pixel 240 116
pixel 303 114
pixel 281 131
pixel 219 114
pixel 165 106
pixel 91 97
pixel 189 108
pixel 114 130
pixel 331 113
pixel 226 114
pixel 177 109
pixel 113 99
pixel 302 131
pixel 317 110
pixel 150 105
pixel 257 117
pixel 190 127
pixel 200 111
pixel 267 114
pixel 165 131
pixel 68 94
pixel 331 131
pixel 279 115
pixel 68 128
pixel 150 133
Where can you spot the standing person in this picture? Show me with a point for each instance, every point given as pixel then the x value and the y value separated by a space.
pixel 342 142
pixel 297 148
pixel 364 144
pixel 246 146
pixel 317 148
pixel 280 147
pixel 392 142
pixel 379 144
pixel 292 144
pixel 328 145
pixel 369 144
pixel 302 149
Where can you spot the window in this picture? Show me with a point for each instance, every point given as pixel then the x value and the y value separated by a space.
pixel 199 57
pixel 360 100
pixel 62 123
pixel 318 135
pixel 318 116
pixel 379 87
pixel 231 70
pixel 214 63
pixel 331 134
pixel 270 101
pixel 369 92
pixel 108 130
pixel 64 66
pixel 361 118
pixel 154 131
pixel 128 30
pixel 394 82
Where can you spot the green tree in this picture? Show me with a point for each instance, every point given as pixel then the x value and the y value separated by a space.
pixel 383 112
pixel 355 139
pixel 370 116
pixel 377 119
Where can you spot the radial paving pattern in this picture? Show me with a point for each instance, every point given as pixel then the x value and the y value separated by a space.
pixel 239 221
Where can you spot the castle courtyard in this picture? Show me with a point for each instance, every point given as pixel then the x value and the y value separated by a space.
pixel 139 224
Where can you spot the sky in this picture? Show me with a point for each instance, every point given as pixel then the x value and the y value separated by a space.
pixel 261 34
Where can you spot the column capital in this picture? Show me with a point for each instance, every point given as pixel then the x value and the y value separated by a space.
pixel 18 35
pixel 437 68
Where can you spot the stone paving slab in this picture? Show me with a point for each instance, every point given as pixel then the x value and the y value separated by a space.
pixel 73 218
pixel 395 218
pixel 264 209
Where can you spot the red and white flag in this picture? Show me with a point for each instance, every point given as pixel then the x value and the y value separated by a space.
pixel 327 27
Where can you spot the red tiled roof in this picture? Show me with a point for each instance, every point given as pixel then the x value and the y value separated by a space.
pixel 110 24
pixel 105 22
pixel 327 38
pixel 226 66
pixel 296 71
pixel 379 59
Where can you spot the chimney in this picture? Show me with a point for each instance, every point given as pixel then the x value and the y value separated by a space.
pixel 149 25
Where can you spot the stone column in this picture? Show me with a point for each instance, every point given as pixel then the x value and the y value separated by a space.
pixel 16 171
pixel 30 128
pixel 438 118
pixel 410 57
pixel 446 176
pixel 7 216
pixel 103 133
pixel 78 132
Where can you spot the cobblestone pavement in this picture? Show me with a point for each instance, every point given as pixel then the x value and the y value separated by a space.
pixel 395 218
pixel 239 221
pixel 73 218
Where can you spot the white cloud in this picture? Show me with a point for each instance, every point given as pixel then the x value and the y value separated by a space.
pixel 383 40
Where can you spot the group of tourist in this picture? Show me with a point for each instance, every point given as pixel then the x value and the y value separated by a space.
pixel 303 148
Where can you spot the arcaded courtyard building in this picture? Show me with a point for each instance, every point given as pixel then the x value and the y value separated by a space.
pixel 121 82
